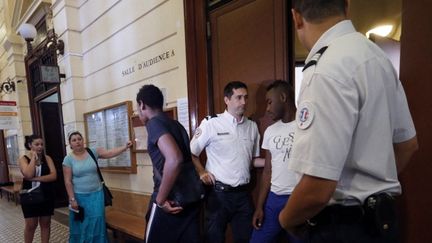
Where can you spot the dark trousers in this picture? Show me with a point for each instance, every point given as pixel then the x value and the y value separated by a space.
pixel 163 227
pixel 225 207
pixel 345 233
pixel 338 224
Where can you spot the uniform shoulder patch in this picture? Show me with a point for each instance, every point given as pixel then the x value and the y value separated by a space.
pixel 198 132
pixel 305 115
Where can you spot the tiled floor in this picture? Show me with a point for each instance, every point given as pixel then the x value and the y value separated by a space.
pixel 12 225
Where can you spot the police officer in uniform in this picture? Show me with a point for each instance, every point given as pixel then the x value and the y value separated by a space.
pixel 354 132
pixel 231 142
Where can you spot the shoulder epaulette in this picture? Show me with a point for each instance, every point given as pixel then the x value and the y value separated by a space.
pixel 210 117
pixel 315 58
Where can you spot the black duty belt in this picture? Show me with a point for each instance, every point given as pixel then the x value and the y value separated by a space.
pixel 221 187
pixel 338 214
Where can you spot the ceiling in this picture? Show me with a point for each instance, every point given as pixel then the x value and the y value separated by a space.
pixel 365 15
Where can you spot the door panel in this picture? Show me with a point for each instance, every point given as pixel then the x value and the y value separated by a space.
pixel 52 133
pixel 249 44
pixel 4 173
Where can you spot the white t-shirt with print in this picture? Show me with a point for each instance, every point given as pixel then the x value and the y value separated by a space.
pixel 278 139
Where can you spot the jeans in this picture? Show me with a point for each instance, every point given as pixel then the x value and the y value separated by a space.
pixel 271 227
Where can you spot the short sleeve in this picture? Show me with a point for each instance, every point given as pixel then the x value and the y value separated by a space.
pixel 94 150
pixel 256 151
pixel 265 142
pixel 325 119
pixel 403 124
pixel 67 161
pixel 201 138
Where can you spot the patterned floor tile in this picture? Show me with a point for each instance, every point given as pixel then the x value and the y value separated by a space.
pixel 12 225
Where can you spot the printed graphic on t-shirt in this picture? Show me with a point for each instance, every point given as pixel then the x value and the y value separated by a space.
pixel 284 144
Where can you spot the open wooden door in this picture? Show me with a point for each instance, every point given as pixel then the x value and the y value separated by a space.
pixel 4 173
pixel 249 42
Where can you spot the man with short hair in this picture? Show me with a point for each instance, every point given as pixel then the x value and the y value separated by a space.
pixel 231 142
pixel 354 132
pixel 168 147
pixel 277 181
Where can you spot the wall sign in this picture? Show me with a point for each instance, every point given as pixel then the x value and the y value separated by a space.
pixel 8 115
pixel 50 74
pixel 108 128
pixel 149 62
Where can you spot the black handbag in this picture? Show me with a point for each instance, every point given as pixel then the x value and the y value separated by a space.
pixel 107 194
pixel 34 196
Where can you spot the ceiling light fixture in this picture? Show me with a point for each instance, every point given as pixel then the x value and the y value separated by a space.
pixel 382 30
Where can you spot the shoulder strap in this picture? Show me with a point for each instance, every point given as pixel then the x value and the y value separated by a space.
pixel 97 166
pixel 315 58
pixel 210 116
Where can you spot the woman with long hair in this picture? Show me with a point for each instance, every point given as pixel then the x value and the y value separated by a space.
pixel 39 171
pixel 84 189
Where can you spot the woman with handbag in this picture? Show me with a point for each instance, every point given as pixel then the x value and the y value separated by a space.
pixel 39 171
pixel 84 189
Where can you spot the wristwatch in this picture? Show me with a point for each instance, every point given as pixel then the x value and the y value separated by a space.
pixel 72 200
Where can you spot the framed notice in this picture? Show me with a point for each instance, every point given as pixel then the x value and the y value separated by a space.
pixel 12 149
pixel 171 112
pixel 139 131
pixel 139 135
pixel 109 128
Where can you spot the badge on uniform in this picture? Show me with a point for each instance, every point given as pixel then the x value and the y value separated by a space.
pixel 305 115
pixel 198 132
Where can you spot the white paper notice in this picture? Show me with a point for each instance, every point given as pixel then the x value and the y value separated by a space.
pixel 8 115
pixel 183 113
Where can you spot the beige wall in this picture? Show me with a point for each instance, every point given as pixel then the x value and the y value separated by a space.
pixel 12 51
pixel 104 40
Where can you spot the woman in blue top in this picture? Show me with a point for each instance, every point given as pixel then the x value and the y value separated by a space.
pixel 84 189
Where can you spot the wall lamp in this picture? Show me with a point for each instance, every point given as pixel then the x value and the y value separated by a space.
pixel 28 32
pixel 7 86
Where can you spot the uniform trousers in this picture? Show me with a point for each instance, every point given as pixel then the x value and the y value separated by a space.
pixel 223 207
pixel 345 233
pixel 271 227
pixel 337 224
pixel 164 227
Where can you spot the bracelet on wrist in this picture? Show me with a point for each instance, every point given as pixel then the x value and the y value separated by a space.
pixel 160 205
pixel 72 200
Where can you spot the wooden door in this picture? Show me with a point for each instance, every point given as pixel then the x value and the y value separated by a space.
pixel 415 74
pixel 4 173
pixel 248 43
pixel 51 127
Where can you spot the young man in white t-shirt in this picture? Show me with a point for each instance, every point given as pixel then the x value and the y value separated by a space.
pixel 277 181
